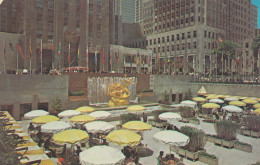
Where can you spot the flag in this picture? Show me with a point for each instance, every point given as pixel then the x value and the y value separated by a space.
pixel 137 61
pixel 4 50
pixel 78 52
pixel 59 51
pixel 110 58
pixel 158 60
pixel 178 62
pixel 237 60
pixel 149 60
pixel 96 57
pixel 220 40
pixel 103 57
pixel 117 57
pixel 69 55
pixel 20 51
pixel 40 50
pixel 87 55
pixel 30 48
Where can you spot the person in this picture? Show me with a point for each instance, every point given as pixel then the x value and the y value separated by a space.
pixel 160 159
pixel 224 115
pixel 171 159
pixel 47 143
pixel 144 117
pixel 78 150
pixel 31 127
pixel 61 160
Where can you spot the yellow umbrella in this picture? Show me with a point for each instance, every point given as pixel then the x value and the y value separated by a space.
pixel 123 137
pixel 209 94
pixel 202 91
pixel 212 97
pixel 256 106
pixel 257 111
pixel 135 108
pixel 210 105
pixel 237 103
pixel 199 99
pixel 137 126
pixel 250 101
pixel 82 119
pixel 70 136
pixel 85 109
pixel 45 119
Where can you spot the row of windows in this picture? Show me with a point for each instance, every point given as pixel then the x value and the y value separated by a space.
pixel 173 37
pixel 176 47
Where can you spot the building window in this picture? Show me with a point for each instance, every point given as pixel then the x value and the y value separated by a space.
pixel 168 38
pixel 172 37
pixel 154 41
pixel 178 37
pixel 173 48
pixel 188 35
pixel 247 45
pixel 159 40
pixel 151 42
pixel 194 34
pixel 205 34
pixel 168 48
pixel 188 45
pixel 162 39
pixel 194 45
pixel 182 46
pixel 209 34
pixel 183 36
pixel 178 47
pixel 163 49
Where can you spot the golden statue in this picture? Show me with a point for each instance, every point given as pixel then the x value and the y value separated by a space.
pixel 119 93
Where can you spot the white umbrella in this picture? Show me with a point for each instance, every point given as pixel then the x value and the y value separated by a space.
pixel 35 113
pixel 100 114
pixel 169 116
pixel 219 101
pixel 231 99
pixel 188 103
pixel 101 155
pixel 171 137
pixel 55 127
pixel 232 108
pixel 68 113
pixel 99 127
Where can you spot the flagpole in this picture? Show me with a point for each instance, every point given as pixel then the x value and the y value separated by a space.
pixel 118 63
pixel 4 56
pixel 222 66
pixel 69 57
pixel 41 55
pixel 17 61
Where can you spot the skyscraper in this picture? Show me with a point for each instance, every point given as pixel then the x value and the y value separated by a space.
pixel 128 11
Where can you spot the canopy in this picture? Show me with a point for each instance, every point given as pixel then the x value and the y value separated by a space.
pixel 199 99
pixel 45 119
pixel 82 119
pixel 68 113
pixel 219 101
pixel 135 108
pixel 171 137
pixel 250 101
pixel 257 111
pixel 202 91
pixel 123 137
pixel 55 127
pixel 256 105
pixel 188 103
pixel 35 113
pixel 137 126
pixel 100 114
pixel 231 99
pixel 99 127
pixel 169 116
pixel 232 108
pixel 237 103
pixel 210 105
pixel 85 109
pixel 101 155
pixel 70 136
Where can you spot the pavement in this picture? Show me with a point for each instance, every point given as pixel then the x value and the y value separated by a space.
pixel 225 156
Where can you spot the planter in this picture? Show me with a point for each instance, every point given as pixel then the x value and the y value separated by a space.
pixel 185 120
pixel 243 146
pixel 194 121
pixel 228 144
pixel 210 138
pixel 192 155
pixel 174 148
pixel 247 132
pixel 255 134
pixel 218 141
pixel 181 152
pixel 208 160
pixel 146 94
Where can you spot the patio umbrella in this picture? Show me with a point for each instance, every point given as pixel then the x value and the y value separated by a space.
pixel 256 106
pixel 135 108
pixel 55 127
pixel 171 137
pixel 202 91
pixel 99 127
pixel 199 99
pixel 68 113
pixel 210 94
pixel 231 99
pixel 45 119
pixel 170 116
pixel 123 137
pixel 101 155
pixel 35 113
pixel 219 101
pixel 70 136
pixel 82 119
pixel 250 101
pixel 100 114
pixel 212 97
pixel 232 108
pixel 137 126
pixel 210 105
pixel 237 103
pixel 188 103
pixel 257 111
pixel 85 109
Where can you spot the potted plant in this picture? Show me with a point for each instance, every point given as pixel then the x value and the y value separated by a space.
pixel 226 133
pixel 195 145
pixel 252 125
pixel 208 158
pixel 194 120
pixel 243 146
pixel 210 138
pixel 186 113
pixel 56 106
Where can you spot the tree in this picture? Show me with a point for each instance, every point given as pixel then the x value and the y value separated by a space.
pixel 56 105
pixel 255 47
pixel 188 95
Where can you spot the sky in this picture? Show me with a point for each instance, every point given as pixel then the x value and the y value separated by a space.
pixel 257 3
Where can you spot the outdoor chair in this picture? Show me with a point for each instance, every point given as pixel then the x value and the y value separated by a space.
pixel 5 125
pixel 143 150
pixel 34 162
pixel 21 149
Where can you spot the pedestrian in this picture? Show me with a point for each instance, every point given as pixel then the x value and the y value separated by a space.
pixel 30 128
pixel 144 117
pixel 78 150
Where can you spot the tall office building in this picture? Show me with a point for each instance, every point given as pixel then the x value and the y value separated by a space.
pixel 185 31
pixel 128 11
pixel 68 26
pixel 139 11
